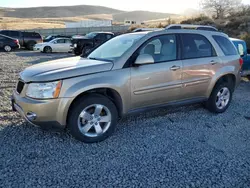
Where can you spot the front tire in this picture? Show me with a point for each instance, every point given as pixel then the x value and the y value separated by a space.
pixel 47 49
pixel 220 98
pixel 92 118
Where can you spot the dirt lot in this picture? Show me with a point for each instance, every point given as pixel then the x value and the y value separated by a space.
pixel 171 147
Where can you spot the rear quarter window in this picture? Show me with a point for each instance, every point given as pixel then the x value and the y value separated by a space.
pixel 226 46
pixel 31 35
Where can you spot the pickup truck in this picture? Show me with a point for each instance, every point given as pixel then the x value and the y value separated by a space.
pixel 26 39
pixel 244 53
pixel 84 44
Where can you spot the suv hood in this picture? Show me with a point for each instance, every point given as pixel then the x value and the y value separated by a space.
pixel 64 68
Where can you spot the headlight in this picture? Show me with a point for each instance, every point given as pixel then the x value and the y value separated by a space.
pixel 75 45
pixel 49 90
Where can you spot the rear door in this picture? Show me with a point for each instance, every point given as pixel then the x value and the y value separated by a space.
pixel 160 82
pixel 67 44
pixel 199 65
pixel 16 35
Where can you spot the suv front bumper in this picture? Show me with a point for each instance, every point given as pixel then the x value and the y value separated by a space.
pixel 51 113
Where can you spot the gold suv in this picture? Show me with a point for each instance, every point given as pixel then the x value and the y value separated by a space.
pixel 129 73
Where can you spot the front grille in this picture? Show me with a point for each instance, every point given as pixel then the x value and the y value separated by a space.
pixel 20 86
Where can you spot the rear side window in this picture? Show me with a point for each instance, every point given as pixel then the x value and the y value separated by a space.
pixel 196 46
pixel 67 41
pixel 31 34
pixel 108 37
pixel 60 41
pixel 226 46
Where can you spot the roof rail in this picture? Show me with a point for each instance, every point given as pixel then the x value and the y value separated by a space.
pixel 190 26
pixel 146 29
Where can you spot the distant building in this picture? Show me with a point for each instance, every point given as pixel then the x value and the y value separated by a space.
pixel 129 22
pixel 89 23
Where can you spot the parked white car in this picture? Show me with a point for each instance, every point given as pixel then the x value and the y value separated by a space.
pixel 56 45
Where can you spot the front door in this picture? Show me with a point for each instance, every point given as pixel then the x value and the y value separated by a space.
pixel 200 63
pixel 159 82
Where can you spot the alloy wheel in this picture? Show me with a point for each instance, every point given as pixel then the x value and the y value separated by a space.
pixel 94 120
pixel 223 97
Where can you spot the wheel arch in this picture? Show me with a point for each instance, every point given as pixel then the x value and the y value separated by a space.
pixel 110 93
pixel 227 77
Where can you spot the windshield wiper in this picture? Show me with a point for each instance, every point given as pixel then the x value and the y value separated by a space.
pixel 100 59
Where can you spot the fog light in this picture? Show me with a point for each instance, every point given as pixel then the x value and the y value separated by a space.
pixel 31 116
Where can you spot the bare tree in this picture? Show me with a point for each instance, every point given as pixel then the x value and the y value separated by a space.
pixel 220 8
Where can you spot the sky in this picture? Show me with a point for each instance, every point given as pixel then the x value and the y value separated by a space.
pixel 168 6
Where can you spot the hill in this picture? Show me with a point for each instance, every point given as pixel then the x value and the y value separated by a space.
pixel 140 16
pixel 80 10
pixel 54 17
pixel 56 12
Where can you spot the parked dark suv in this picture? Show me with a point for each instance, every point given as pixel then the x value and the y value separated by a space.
pixel 8 43
pixel 26 39
pixel 84 44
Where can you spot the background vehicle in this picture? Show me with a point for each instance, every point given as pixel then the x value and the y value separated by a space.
pixel 26 39
pixel 81 45
pixel 244 53
pixel 51 37
pixel 8 43
pixel 130 73
pixel 56 45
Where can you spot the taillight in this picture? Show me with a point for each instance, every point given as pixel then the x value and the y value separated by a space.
pixel 241 62
pixel 16 41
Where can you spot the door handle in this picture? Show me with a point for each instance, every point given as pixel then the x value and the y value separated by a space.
pixel 213 62
pixel 174 68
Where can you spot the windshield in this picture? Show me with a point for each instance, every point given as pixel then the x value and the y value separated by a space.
pixel 48 37
pixel 115 48
pixel 91 35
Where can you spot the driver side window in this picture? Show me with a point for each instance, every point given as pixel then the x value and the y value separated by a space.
pixel 162 48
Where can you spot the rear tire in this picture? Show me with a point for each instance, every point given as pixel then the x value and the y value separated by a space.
pixel 47 49
pixel 92 118
pixel 30 45
pixel 7 48
pixel 220 98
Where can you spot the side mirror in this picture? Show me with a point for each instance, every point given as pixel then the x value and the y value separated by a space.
pixel 144 59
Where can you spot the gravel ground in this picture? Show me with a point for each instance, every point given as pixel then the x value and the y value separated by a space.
pixel 171 147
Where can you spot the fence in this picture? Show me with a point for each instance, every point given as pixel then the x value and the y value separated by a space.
pixel 80 30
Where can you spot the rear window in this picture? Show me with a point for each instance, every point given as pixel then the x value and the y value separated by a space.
pixel 226 46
